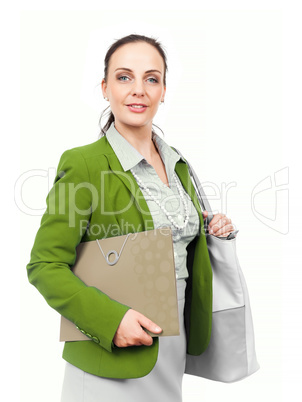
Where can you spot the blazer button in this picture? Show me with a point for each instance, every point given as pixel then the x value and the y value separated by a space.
pixel 81 330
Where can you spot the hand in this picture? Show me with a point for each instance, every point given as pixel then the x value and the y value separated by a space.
pixel 130 331
pixel 220 225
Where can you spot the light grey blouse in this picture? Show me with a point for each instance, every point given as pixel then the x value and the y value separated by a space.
pixel 169 197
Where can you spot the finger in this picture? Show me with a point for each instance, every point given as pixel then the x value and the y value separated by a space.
pixel 148 324
pixel 221 221
pixel 220 228
pixel 215 219
pixel 205 214
pixel 225 230
pixel 146 339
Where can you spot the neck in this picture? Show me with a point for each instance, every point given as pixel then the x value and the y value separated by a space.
pixel 139 137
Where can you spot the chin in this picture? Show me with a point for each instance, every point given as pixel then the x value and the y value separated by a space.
pixel 135 122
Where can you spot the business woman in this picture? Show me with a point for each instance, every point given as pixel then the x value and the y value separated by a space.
pixel 129 180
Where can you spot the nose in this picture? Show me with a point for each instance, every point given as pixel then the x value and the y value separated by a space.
pixel 138 88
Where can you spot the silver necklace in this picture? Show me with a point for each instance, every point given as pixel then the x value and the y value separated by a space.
pixel 181 193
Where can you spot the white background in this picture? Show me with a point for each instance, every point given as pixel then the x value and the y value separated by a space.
pixel 233 107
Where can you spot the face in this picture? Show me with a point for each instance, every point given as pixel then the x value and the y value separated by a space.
pixel 135 76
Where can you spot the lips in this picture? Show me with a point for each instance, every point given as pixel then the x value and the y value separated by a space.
pixel 137 104
pixel 137 107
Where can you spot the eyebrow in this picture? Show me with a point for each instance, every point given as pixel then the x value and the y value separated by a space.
pixel 128 69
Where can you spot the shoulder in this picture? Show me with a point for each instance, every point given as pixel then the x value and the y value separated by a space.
pixel 87 152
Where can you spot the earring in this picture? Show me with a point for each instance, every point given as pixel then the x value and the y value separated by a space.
pixel 162 102
pixel 106 99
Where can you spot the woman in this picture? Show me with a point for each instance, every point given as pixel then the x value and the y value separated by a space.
pixel 129 180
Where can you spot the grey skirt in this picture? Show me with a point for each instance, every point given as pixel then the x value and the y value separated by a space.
pixel 163 383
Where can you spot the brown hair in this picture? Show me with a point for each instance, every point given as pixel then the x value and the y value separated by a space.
pixel 120 42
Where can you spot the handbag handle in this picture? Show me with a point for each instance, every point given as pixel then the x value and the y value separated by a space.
pixel 202 198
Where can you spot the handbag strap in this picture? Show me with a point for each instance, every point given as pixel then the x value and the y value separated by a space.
pixel 202 198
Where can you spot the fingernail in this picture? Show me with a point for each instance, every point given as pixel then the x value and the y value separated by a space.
pixel 157 329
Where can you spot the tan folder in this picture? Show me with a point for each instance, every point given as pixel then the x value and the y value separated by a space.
pixel 136 269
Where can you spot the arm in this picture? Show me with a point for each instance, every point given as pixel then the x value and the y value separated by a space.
pixel 54 253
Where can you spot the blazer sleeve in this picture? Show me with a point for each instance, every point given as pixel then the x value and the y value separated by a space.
pixel 69 204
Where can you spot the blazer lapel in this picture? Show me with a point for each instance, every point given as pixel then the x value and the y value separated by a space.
pixel 182 170
pixel 129 181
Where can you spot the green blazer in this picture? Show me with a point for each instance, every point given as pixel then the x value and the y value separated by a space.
pixel 92 198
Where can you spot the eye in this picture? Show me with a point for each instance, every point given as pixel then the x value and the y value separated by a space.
pixel 154 79
pixel 122 76
pixel 125 78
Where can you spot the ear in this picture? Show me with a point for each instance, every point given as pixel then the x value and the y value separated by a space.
pixel 104 88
